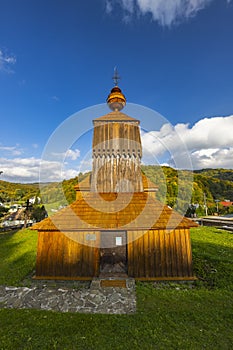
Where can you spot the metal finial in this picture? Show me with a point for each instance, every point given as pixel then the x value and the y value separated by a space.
pixel 116 77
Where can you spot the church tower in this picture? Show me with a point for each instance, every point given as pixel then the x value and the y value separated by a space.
pixel 116 149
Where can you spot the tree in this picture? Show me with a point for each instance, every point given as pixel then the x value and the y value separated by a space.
pixel 38 213
pixel 19 193
pixel 3 211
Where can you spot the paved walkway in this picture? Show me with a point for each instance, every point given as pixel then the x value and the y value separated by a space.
pixel 95 298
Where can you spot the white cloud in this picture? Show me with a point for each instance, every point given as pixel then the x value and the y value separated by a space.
pixel 128 5
pixel 69 154
pixel 171 11
pixel 213 158
pixel 165 12
pixel 12 150
pixel 19 169
pixel 73 154
pixel 26 170
pixel 6 62
pixel 208 143
pixel 108 6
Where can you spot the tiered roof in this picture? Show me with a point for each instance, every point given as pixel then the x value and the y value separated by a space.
pixel 111 211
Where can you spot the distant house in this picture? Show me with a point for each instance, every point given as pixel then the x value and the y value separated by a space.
pixel 14 208
pixel 226 203
pixel 35 199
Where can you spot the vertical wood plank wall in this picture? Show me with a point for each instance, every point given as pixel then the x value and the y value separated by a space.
pixel 156 253
pixel 59 254
pixel 117 153
pixel 160 253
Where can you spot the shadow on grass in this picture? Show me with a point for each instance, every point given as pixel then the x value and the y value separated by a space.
pixel 17 255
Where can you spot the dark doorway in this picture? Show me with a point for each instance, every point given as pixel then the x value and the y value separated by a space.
pixel 113 253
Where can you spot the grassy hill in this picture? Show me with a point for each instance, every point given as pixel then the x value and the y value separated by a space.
pixel 218 181
pixel 54 194
pixel 10 191
pixel 216 184
pixel 221 174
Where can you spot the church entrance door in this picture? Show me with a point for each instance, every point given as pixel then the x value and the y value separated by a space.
pixel 113 253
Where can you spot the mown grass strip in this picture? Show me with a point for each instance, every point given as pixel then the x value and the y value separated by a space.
pixel 169 316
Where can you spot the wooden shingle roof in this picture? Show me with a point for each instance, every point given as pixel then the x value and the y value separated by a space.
pixel 84 185
pixel 112 211
pixel 148 184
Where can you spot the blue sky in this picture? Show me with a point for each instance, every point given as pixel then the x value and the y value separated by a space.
pixel 57 58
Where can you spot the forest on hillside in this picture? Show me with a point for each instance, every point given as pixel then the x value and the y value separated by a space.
pixel 176 188
pixel 17 192
pixel 208 187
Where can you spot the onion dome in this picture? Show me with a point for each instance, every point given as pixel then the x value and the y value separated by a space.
pixel 116 100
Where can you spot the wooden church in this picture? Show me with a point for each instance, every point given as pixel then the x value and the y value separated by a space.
pixel 116 226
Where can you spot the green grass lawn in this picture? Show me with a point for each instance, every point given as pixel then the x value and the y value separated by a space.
pixel 169 316
pixel 17 256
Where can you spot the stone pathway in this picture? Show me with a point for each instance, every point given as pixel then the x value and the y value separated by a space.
pixel 95 299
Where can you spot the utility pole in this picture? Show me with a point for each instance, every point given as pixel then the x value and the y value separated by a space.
pixel 26 213
pixel 217 201
pixel 205 205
